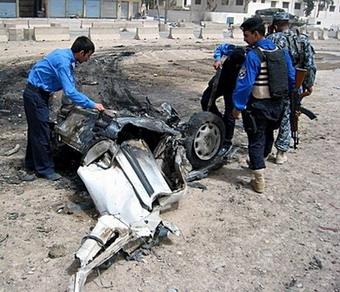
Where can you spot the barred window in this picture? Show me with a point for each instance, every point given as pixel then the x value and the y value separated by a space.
pixel 297 6
pixel 285 4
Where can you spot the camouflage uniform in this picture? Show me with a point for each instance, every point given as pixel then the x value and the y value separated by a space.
pixel 302 54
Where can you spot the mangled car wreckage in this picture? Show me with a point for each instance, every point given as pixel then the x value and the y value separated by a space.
pixel 134 167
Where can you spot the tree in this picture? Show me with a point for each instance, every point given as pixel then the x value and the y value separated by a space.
pixel 321 5
pixel 309 7
pixel 245 7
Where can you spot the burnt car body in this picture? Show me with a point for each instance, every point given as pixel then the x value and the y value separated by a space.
pixel 267 16
pixel 134 166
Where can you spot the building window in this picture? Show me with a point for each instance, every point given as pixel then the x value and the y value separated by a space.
pixel 108 8
pixel 263 1
pixel 75 8
pixel 273 4
pixel 92 8
pixel 285 5
pixel 225 2
pixel 254 1
pixel 197 2
pixel 297 6
pixel 56 8
pixel 230 20
pixel 8 8
pixel 239 2
pixel 331 8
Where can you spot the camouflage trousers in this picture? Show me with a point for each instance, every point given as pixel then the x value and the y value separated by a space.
pixel 284 134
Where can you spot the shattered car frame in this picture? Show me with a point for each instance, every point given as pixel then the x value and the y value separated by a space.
pixel 134 167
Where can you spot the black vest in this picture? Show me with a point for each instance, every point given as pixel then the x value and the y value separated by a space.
pixel 277 73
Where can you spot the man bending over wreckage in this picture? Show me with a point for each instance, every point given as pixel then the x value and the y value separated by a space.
pixel 52 73
pixel 226 83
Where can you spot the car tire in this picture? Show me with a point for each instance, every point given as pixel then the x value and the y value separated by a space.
pixel 204 138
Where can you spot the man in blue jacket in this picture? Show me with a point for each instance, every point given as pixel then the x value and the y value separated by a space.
pixel 52 73
pixel 262 89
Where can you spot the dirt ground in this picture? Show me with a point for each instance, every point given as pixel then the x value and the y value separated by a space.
pixel 287 239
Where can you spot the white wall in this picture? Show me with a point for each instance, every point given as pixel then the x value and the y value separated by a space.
pixel 200 12
pixel 221 17
pixel 231 7
pixel 197 16
pixel 328 18
pixel 173 15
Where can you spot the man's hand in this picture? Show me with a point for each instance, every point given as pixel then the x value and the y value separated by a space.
pixel 217 64
pixel 307 91
pixel 99 107
pixel 236 114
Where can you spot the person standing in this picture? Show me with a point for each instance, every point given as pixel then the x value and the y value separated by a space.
pixel 302 54
pixel 52 73
pixel 261 91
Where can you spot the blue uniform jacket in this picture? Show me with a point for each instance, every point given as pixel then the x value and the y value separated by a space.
pixel 55 72
pixel 250 70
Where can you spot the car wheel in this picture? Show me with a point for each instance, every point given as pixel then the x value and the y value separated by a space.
pixel 204 138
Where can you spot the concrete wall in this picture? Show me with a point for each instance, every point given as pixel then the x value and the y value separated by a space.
pixel 216 6
pixel 173 15
pixel 239 12
pixel 221 17
pixel 197 16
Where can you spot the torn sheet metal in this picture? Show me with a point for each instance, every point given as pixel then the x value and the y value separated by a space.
pixel 129 190
pixel 81 127
pixel 115 127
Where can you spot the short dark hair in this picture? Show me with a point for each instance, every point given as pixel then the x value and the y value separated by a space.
pixel 254 24
pixel 280 22
pixel 83 43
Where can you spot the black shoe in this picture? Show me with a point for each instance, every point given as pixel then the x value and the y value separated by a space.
pixel 26 175
pixel 53 176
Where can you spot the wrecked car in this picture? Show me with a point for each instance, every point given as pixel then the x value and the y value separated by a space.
pixel 267 16
pixel 134 166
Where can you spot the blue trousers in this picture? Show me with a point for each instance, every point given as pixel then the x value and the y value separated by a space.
pixel 284 134
pixel 38 152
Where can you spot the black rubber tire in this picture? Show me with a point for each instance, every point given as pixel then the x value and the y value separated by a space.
pixel 196 122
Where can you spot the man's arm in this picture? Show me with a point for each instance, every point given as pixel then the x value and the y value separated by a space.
pixel 66 78
pixel 220 51
pixel 291 71
pixel 308 63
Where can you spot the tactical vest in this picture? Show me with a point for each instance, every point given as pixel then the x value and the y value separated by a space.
pixel 272 82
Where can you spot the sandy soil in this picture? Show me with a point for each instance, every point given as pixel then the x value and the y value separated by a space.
pixel 287 239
